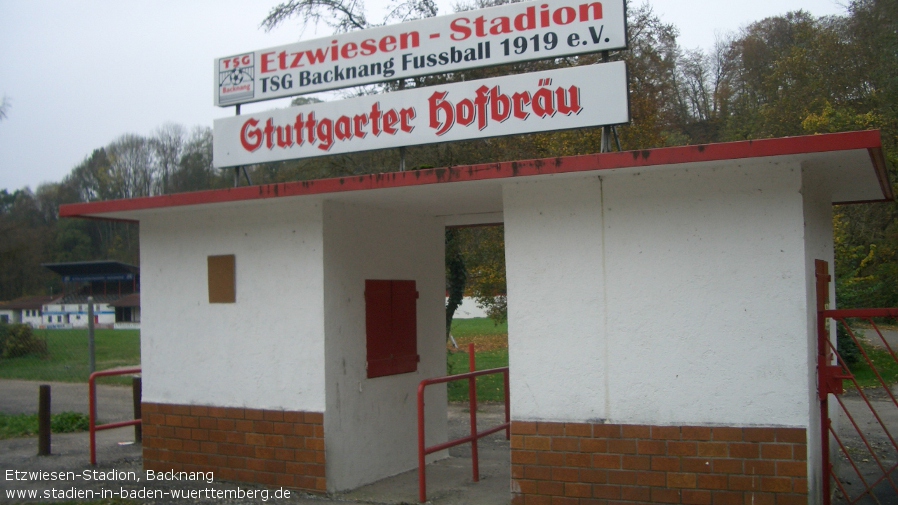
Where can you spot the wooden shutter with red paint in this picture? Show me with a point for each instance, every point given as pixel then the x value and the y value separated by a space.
pixel 391 327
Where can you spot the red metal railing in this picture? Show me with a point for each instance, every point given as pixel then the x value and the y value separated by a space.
pixel 475 435
pixel 92 392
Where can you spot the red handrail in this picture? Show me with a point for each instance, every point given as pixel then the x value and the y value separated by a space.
pixel 92 392
pixel 474 436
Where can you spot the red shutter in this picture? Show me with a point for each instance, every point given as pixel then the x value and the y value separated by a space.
pixel 391 327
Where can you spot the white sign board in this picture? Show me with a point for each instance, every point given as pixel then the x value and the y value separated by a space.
pixel 486 37
pixel 590 95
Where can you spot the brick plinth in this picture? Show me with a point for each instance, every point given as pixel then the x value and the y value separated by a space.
pixel 272 447
pixel 573 463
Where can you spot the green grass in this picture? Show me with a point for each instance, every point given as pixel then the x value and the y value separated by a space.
pixel 24 425
pixel 462 328
pixel 491 351
pixel 884 363
pixel 68 359
pixel 490 387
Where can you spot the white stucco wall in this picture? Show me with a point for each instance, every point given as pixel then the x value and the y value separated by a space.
pixel 371 424
pixel 266 350
pixel 818 227
pixel 675 296
pixel 556 335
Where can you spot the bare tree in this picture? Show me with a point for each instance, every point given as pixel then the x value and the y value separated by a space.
pixel 167 145
pixel 346 15
pixel 411 10
pixel 131 166
pixel 4 107
pixel 341 15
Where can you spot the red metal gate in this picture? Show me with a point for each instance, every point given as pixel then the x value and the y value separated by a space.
pixel 859 426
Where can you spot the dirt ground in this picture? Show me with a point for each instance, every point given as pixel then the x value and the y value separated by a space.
pixel 854 462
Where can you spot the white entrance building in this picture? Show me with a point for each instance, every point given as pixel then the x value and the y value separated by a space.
pixel 661 318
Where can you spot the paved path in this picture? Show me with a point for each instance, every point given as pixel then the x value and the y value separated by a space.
pixel 114 403
pixel 878 438
pixel 891 336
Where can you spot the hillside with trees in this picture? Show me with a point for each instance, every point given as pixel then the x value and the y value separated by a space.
pixel 793 74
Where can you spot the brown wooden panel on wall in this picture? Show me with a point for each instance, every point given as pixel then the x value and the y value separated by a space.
pixel 222 279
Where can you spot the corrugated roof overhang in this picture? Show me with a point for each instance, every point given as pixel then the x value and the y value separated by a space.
pixel 852 163
pixel 98 269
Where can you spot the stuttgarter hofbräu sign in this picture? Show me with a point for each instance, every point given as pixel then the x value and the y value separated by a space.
pixel 574 97
pixel 486 37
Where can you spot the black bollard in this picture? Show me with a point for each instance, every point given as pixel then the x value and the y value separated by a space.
pixel 43 421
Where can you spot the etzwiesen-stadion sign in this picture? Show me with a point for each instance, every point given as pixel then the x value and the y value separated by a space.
pixel 486 37
pixel 589 95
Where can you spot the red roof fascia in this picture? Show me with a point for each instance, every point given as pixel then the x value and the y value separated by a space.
pixel 869 140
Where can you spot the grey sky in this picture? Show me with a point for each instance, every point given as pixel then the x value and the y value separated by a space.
pixel 81 73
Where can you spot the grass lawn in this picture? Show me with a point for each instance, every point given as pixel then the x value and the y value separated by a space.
pixel 68 359
pixel 490 350
pixel 884 363
pixel 24 425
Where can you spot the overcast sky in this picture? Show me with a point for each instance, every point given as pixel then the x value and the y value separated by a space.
pixel 79 74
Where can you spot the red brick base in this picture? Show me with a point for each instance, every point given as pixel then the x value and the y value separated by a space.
pixel 572 463
pixel 271 447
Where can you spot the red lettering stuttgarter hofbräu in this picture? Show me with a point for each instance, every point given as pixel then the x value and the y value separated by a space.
pixel 489 104
pixel 277 61
pixel 325 132
pixel 463 27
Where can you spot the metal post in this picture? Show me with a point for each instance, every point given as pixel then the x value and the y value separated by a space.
pixel 422 470
pixel 607 130
pixel 43 421
pixel 136 387
pixel 237 168
pixel 90 334
pixel 472 397
pixel 507 406
pixel 402 149
pixel 92 417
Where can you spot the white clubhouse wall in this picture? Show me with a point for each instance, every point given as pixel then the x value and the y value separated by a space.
pixel 266 350
pixel 371 424
pixel 671 297
pixel 553 263
pixel 818 219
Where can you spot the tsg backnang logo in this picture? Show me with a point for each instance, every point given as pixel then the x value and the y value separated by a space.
pixel 235 78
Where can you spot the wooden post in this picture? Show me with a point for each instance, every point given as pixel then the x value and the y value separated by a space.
pixel 43 421
pixel 136 389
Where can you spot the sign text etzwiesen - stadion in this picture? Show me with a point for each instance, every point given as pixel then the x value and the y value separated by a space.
pixel 486 37
pixel 589 95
